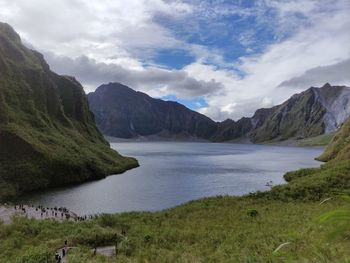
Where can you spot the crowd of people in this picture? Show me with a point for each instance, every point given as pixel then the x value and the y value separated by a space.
pixel 56 213
pixel 45 212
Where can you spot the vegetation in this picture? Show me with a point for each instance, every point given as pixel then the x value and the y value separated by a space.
pixel 321 140
pixel 48 135
pixel 210 230
pixel 340 221
pixel 293 118
pixel 339 147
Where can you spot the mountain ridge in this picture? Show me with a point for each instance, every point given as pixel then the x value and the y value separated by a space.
pixel 123 112
pixel 310 113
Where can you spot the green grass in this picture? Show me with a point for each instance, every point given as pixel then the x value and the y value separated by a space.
pixel 321 140
pixel 209 230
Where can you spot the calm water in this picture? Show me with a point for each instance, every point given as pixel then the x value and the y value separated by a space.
pixel 173 173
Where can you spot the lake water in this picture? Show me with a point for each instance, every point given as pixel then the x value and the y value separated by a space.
pixel 172 173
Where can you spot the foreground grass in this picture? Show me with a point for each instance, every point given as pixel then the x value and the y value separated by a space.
pixel 210 230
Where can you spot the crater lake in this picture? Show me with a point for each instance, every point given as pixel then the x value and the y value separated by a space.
pixel 172 173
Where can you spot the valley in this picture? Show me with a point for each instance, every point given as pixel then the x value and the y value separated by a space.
pixel 174 131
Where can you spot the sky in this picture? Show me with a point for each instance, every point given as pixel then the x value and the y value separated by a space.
pixel 222 58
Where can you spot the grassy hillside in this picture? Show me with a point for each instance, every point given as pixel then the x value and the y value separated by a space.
pixel 210 230
pixel 48 135
pixel 339 147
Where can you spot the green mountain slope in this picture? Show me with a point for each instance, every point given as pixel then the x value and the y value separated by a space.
pixel 48 135
pixel 339 147
pixel 301 115
pixel 311 113
pixel 316 183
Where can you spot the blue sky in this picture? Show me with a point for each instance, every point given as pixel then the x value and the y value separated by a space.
pixel 230 34
pixel 194 103
pixel 222 58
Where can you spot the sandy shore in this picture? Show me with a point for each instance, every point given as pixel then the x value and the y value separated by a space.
pixel 7 212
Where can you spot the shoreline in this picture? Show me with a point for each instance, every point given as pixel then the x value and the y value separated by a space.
pixel 292 142
pixel 9 211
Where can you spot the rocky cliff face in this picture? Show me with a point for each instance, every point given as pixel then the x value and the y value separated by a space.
pixel 125 113
pixel 48 135
pixel 308 114
pixel 300 116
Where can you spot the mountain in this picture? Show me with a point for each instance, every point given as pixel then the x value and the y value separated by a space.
pixel 48 135
pixel 307 114
pixel 339 148
pixel 125 113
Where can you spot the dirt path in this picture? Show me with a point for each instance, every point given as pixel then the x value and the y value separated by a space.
pixel 108 251
pixel 6 214
pixel 64 259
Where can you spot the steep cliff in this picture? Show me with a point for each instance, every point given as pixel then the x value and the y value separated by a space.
pixel 313 112
pixel 300 116
pixel 48 135
pixel 125 113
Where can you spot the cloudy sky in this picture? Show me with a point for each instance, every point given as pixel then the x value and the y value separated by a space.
pixel 221 58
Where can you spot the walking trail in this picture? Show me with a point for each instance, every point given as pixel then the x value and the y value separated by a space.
pixel 108 251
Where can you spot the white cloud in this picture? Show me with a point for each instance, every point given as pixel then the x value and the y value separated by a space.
pixel 336 74
pixel 155 81
pixel 113 40
pixel 325 41
pixel 95 29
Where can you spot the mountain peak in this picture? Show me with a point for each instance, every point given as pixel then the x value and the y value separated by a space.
pixel 123 112
pixel 111 86
pixel 327 85
pixel 9 32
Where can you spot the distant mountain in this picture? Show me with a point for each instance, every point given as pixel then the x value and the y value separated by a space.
pixel 48 135
pixel 125 113
pixel 310 113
